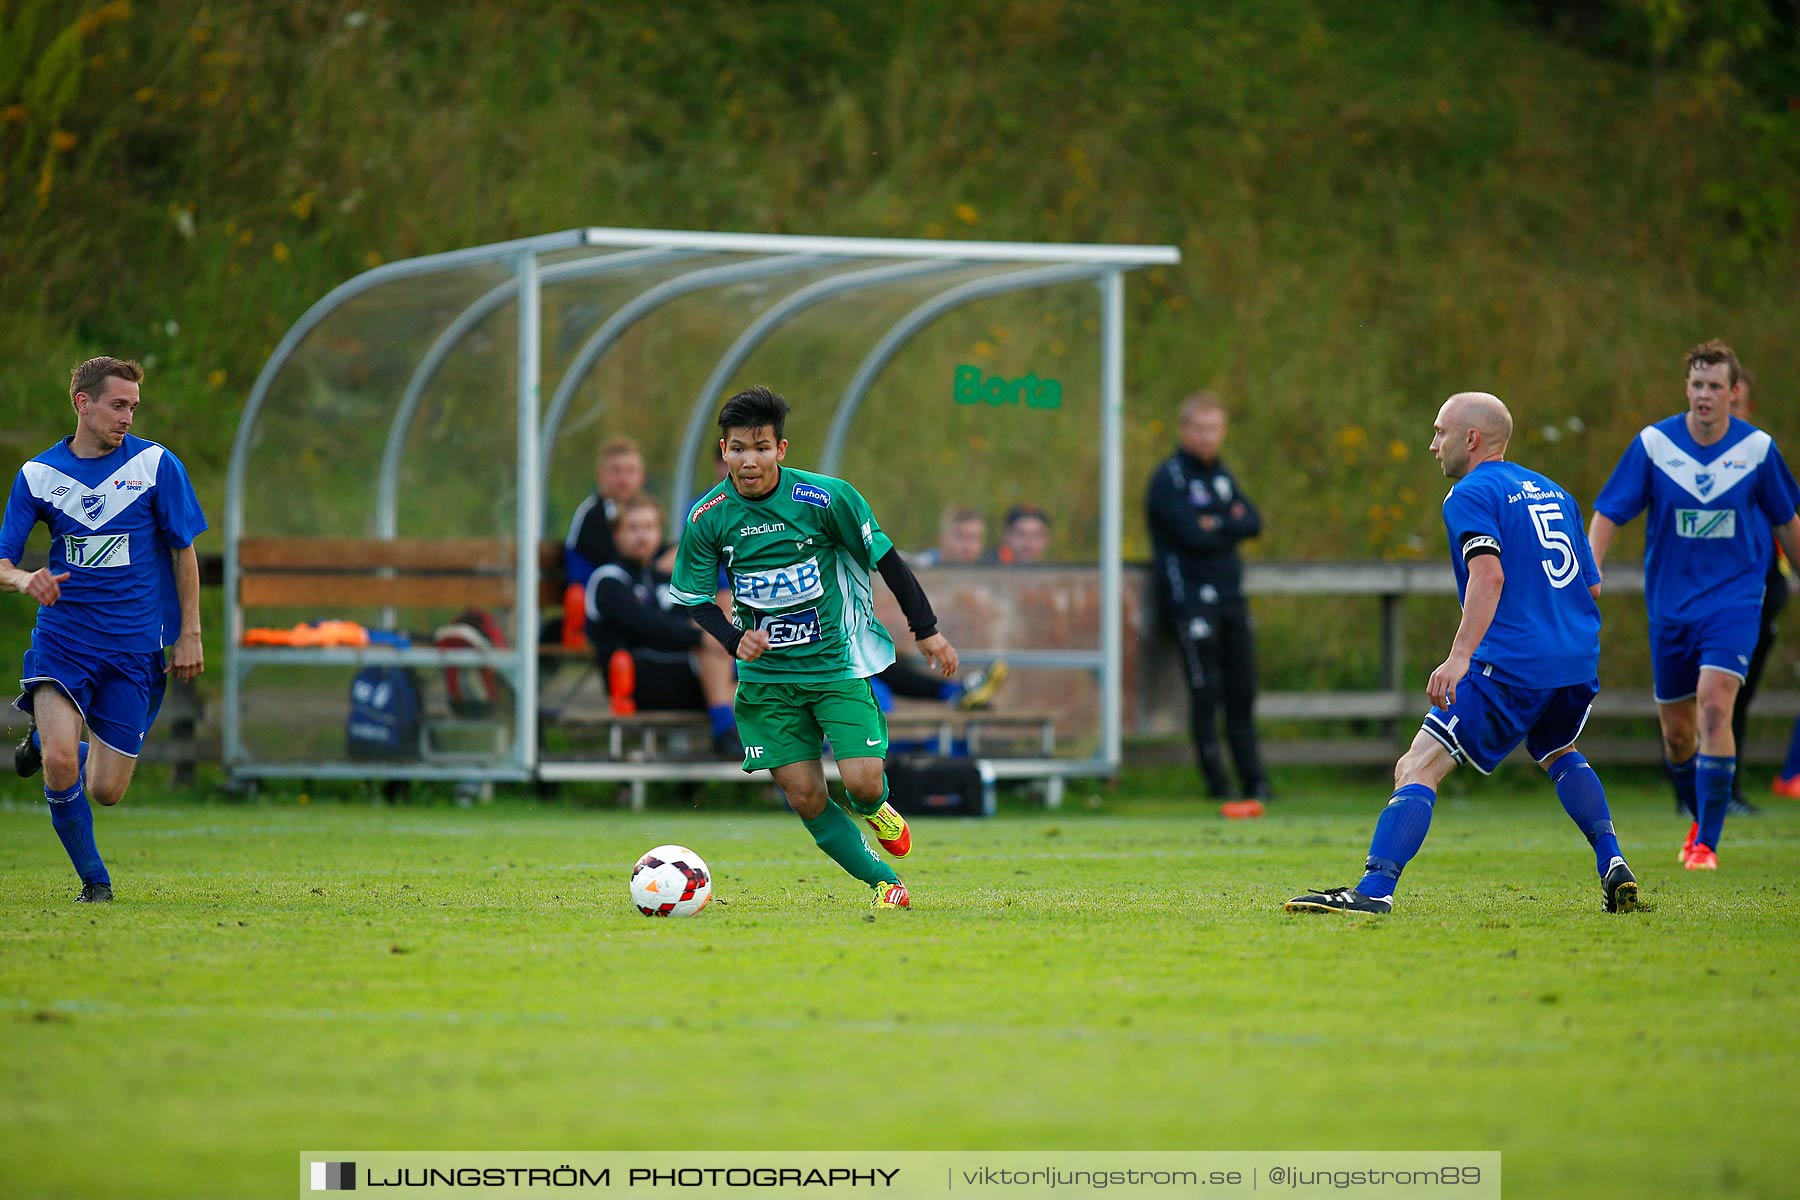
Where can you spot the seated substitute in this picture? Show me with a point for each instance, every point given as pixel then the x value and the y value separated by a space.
pixel 618 476
pixel 1524 666
pixel 973 691
pixel 1024 539
pixel 962 532
pixel 629 607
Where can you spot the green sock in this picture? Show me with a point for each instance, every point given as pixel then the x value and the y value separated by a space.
pixel 839 837
pixel 866 809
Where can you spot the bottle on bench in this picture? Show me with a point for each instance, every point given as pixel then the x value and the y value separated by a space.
pixel 574 622
pixel 621 683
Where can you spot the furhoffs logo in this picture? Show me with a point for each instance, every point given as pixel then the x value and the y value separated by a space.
pixel 806 493
pixel 334 1177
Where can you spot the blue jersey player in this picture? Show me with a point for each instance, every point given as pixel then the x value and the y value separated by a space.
pixel 1525 663
pixel 122 583
pixel 1713 484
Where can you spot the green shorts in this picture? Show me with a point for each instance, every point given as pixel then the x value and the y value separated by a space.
pixel 782 723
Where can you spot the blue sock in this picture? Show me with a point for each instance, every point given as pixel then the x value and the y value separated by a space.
pixel 1712 785
pixel 81 751
pixel 74 824
pixel 1681 774
pixel 950 691
pixel 1584 799
pixel 1399 832
pixel 720 717
pixel 1791 767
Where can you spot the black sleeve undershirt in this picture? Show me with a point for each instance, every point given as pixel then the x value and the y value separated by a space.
pixel 905 586
pixel 712 618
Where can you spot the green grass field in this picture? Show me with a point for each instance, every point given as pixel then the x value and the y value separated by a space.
pixel 275 978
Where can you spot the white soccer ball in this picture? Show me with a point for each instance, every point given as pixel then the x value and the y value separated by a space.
pixel 670 881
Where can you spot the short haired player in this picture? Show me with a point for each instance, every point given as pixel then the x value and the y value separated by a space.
pixel 1712 484
pixel 122 582
pixel 1524 666
pixel 801 550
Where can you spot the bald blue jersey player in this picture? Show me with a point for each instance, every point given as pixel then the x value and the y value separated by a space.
pixel 1713 485
pixel 1524 666
pixel 122 583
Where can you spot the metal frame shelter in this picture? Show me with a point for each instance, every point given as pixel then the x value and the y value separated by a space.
pixel 983 269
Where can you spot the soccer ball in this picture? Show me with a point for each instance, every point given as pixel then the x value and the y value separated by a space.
pixel 670 881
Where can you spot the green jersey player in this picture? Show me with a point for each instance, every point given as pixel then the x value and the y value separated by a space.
pixel 801 550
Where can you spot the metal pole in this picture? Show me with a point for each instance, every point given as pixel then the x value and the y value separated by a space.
pixel 530 520
pixel 1112 550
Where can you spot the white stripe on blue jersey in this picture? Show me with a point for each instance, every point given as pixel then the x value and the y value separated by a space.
pixel 1706 549
pixel 114 521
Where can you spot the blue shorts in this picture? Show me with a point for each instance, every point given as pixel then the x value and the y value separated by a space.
pixel 117 694
pixel 1490 719
pixel 1723 641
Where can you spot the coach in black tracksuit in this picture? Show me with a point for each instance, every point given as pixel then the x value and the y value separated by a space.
pixel 1197 516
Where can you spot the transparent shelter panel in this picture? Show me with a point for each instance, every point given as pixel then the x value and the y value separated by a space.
pixel 296 714
pixel 646 383
pixel 316 447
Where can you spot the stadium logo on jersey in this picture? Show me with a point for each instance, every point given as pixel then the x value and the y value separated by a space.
pixel 769 527
pixel 700 508
pixel 792 629
pixel 806 493
pixel 112 550
pixel 1706 522
pixel 785 585
pixel 91 504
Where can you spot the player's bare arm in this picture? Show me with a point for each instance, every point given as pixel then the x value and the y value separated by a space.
pixel 1486 579
pixel 1788 538
pixel 40 584
pixel 189 659
pixel 1600 536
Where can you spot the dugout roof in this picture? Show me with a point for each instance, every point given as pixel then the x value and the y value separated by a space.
pixel 426 398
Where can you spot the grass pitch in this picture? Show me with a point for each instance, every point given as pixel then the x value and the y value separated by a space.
pixel 276 978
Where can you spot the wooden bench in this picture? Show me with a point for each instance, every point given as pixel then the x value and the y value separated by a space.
pixel 338 573
pixel 647 734
pixel 681 742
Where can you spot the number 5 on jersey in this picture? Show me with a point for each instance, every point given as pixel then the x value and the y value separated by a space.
pixel 1566 567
